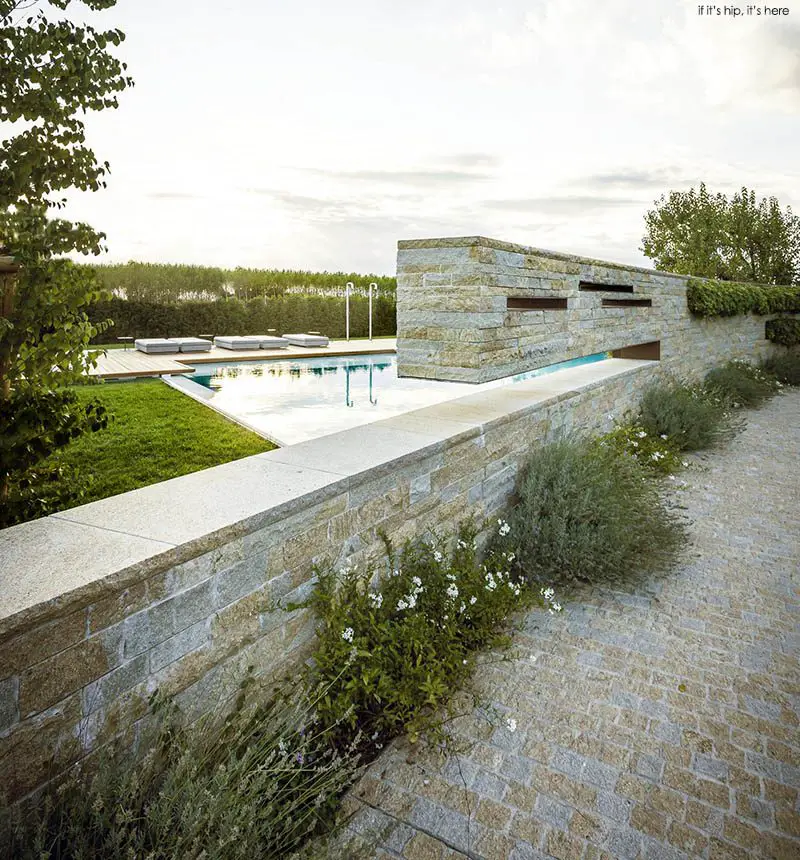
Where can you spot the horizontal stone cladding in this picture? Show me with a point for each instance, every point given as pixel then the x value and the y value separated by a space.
pixel 79 672
pixel 453 323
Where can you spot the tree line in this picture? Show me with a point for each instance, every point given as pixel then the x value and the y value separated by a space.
pixel 285 314
pixel 169 283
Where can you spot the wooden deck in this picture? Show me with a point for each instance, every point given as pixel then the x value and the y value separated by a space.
pixel 130 363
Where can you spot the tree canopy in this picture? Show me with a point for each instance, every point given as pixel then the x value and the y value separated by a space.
pixel 737 239
pixel 53 70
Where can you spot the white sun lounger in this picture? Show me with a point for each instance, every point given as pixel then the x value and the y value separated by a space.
pixel 236 342
pixel 192 344
pixel 156 345
pixel 306 339
pixel 269 341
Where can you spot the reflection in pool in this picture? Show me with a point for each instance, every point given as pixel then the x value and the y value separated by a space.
pixel 291 400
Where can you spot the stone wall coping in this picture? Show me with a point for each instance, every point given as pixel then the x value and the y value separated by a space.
pixel 50 566
pixel 499 245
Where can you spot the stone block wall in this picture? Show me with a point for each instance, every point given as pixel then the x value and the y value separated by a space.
pixel 453 322
pixel 77 671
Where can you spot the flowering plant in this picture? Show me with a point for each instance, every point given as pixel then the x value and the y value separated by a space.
pixel 390 654
pixel 653 451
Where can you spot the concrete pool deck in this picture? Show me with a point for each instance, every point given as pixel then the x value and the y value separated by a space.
pixel 130 363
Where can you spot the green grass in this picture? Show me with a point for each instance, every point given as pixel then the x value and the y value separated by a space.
pixel 157 433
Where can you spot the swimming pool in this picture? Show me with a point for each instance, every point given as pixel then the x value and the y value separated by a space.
pixel 292 400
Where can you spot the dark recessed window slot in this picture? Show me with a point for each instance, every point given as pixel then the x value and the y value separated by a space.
pixel 536 304
pixel 626 303
pixel 592 287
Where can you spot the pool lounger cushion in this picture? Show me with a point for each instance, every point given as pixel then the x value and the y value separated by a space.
pixel 192 344
pixel 269 341
pixel 306 339
pixel 156 345
pixel 236 342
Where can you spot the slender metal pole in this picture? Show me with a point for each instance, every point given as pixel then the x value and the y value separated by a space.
pixel 370 308
pixel 347 310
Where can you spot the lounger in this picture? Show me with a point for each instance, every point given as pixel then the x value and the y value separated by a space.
pixel 306 339
pixel 235 342
pixel 156 345
pixel 269 341
pixel 192 344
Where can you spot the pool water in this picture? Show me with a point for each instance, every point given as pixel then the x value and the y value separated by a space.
pixel 292 400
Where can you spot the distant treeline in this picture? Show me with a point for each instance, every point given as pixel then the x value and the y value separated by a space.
pixel 284 313
pixel 165 283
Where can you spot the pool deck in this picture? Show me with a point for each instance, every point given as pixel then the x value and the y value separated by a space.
pixel 130 363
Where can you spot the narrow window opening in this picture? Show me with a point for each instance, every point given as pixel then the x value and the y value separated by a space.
pixel 593 287
pixel 626 303
pixel 536 304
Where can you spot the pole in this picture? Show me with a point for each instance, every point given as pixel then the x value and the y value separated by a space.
pixel 370 308
pixel 347 310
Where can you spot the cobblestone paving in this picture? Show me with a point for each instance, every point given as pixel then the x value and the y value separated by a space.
pixel 661 722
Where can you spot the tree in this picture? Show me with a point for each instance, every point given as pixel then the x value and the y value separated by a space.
pixel 741 239
pixel 52 71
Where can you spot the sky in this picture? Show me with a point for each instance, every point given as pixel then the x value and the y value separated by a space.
pixel 315 135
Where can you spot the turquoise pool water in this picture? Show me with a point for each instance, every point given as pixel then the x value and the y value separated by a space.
pixel 291 400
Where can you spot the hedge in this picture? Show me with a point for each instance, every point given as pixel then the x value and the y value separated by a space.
pixel 292 313
pixel 709 298
pixel 783 330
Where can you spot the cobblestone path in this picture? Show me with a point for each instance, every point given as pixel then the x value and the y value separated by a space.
pixel 658 723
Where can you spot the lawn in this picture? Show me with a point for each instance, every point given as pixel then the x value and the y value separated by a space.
pixel 156 433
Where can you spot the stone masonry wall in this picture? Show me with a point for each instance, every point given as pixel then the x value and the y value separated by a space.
pixel 80 675
pixel 187 609
pixel 453 323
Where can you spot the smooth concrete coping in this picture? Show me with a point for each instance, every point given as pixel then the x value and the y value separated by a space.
pixel 512 247
pixel 52 565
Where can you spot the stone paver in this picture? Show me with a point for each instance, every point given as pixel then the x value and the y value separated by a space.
pixel 660 722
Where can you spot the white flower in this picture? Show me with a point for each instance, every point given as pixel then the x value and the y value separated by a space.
pixel 663 435
pixel 395 573
pixel 462 544
pixel 347 634
pixel 641 434
pixel 437 555
pixel 401 605
pixel 445 617
pixel 452 591
pixel 412 600
pixel 473 600
pixel 534 658
pixel 376 598
pixel 557 607
pixel 511 724
pixel 417 581
pixel 504 529
pixel 462 607
pixel 685 463
pixel 547 593
pixel 464 662
pixel 671 477
pixel 635 444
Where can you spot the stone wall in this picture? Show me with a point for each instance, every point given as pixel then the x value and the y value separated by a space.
pixel 86 636
pixel 178 586
pixel 454 323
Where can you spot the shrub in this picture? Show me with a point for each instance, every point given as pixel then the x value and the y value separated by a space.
pixel 390 657
pixel 583 513
pixel 654 453
pixel 689 416
pixel 259 783
pixel 785 368
pixel 783 330
pixel 741 384
pixel 710 298
pixel 289 313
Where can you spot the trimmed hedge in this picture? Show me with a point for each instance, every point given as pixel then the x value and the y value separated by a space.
pixel 710 298
pixel 783 330
pixel 292 313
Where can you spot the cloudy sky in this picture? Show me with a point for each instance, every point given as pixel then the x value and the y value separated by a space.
pixel 314 134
